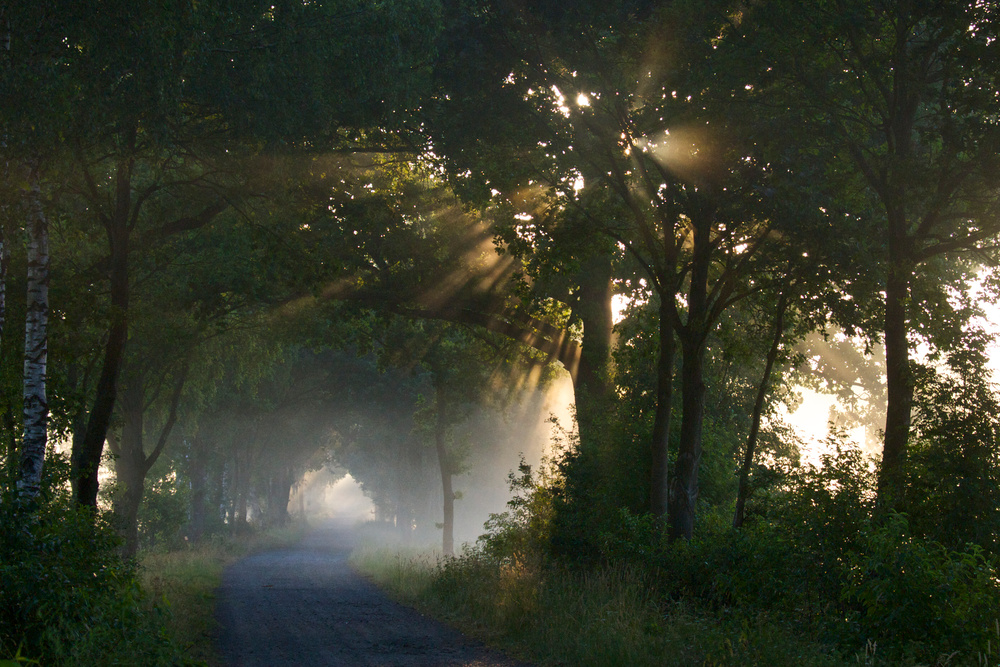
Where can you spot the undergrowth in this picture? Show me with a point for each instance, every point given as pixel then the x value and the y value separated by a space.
pixel 68 598
pixel 826 581
pixel 603 617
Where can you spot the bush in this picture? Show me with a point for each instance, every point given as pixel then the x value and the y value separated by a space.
pixel 520 535
pixel 164 513
pixel 66 597
pixel 917 596
pixel 822 557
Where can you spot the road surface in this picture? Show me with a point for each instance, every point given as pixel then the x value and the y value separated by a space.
pixel 306 606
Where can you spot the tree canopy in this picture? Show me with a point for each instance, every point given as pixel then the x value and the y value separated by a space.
pixel 251 241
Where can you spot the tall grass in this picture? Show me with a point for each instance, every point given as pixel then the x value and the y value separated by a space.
pixel 184 582
pixel 601 617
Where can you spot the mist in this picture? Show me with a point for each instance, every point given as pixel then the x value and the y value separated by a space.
pixel 394 484
pixel 325 494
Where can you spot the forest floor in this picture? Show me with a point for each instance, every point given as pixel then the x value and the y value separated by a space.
pixel 305 605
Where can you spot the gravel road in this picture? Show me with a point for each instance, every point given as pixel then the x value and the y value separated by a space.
pixel 306 606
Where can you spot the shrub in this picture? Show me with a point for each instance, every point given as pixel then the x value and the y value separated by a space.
pixel 164 512
pixel 918 596
pixel 66 597
pixel 520 535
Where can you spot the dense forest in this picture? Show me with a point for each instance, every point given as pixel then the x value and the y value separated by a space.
pixel 252 244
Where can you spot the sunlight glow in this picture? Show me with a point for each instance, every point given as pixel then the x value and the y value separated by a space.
pixel 619 303
pixel 681 150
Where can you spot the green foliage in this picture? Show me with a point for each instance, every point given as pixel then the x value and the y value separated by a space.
pixel 164 512
pixel 918 595
pixel 596 481
pixel 953 486
pixel 817 555
pixel 519 536
pixel 824 507
pixel 66 597
pixel 595 617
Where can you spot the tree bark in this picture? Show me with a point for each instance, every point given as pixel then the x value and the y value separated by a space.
pixel 126 506
pixel 684 486
pixel 36 406
pixel 278 497
pixel 440 446
pixel 7 418
pixel 197 475
pixel 4 270
pixel 130 467
pixel 659 488
pixel 899 383
pixel 758 410
pixel 132 464
pixel 591 385
pixel 240 474
pixel 87 460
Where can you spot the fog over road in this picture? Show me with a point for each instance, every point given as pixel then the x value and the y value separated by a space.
pixel 306 606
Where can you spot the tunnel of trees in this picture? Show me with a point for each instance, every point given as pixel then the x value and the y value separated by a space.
pixel 251 242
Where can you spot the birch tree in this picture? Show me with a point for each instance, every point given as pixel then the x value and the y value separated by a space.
pixel 36 407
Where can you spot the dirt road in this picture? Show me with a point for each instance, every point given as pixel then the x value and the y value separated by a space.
pixel 305 606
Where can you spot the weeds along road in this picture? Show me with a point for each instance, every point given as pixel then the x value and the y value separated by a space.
pixel 306 606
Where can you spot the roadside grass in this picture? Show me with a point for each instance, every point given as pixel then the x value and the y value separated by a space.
pixel 184 581
pixel 609 617
pixel 405 574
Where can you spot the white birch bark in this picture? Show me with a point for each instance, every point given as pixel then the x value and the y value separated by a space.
pixel 36 407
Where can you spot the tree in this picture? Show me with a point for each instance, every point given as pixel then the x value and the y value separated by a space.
pixel 36 407
pixel 152 118
pixel 31 71
pixel 634 122
pixel 132 463
pixel 462 366
pixel 900 96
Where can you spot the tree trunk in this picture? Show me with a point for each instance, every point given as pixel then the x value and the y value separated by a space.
pixel 684 486
pixel 280 493
pixel 591 385
pixel 440 445
pixel 129 475
pixel 36 407
pixel 79 420
pixel 87 460
pixel 197 475
pixel 7 419
pixel 130 467
pixel 899 383
pixel 4 270
pixel 132 464
pixel 240 507
pixel 758 411
pixel 659 488
pixel 8 433
pixel 240 474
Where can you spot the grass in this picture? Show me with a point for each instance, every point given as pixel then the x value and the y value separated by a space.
pixel 553 616
pixel 185 581
pixel 550 616
pixel 406 574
